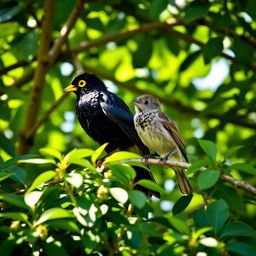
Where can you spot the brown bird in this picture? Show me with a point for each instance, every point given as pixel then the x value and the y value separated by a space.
pixel 158 132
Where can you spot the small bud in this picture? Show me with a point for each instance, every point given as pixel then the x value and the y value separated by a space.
pixel 102 192
pixel 108 174
pixel 15 225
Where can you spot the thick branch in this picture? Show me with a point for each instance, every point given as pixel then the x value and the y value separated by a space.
pixel 237 183
pixel 44 62
pixel 37 89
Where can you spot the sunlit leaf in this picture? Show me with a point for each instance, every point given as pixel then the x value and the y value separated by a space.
pixel 15 216
pixel 98 152
pixel 54 213
pixel 75 179
pixel 119 194
pixel 32 198
pixel 209 148
pixel 40 179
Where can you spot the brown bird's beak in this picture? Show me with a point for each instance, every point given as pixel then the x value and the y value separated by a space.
pixel 136 103
pixel 70 88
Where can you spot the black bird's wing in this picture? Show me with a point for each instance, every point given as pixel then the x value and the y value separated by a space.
pixel 115 109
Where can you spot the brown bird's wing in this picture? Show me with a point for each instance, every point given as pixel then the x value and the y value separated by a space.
pixel 171 127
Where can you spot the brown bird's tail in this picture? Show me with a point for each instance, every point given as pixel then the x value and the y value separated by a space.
pixel 183 182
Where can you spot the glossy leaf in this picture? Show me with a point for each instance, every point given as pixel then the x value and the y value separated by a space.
pixel 40 179
pixel 151 185
pixel 119 194
pixel 181 204
pixel 241 248
pixel 245 168
pixel 217 214
pixel 209 148
pixel 212 48
pixel 15 216
pixel 207 179
pixel 137 198
pixel 237 229
pixel 53 213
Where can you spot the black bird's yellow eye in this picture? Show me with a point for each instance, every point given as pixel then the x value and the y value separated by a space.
pixel 81 83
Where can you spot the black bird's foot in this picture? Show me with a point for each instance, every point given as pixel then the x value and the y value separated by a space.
pixel 165 158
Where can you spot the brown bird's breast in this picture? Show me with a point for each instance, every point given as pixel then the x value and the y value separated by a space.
pixel 154 135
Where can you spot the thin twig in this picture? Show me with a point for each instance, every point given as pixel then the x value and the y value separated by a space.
pixel 237 183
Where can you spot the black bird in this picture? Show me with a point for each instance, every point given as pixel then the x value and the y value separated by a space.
pixel 106 118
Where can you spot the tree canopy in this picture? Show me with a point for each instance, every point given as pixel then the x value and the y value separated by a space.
pixel 198 57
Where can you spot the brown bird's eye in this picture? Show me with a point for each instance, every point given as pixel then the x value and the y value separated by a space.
pixel 81 83
pixel 146 102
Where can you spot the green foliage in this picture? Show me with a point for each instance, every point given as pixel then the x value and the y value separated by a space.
pixel 54 199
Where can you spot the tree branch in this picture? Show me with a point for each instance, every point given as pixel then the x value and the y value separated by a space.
pixel 237 183
pixel 25 141
pixel 37 90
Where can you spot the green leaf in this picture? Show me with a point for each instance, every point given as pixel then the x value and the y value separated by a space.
pixel 231 196
pixel 245 168
pixel 241 248
pixel 217 214
pixel 189 60
pixel 123 172
pixel 14 199
pixel 8 13
pixel 200 218
pixel 64 225
pixel 4 175
pixel 20 174
pixel 9 28
pixel 172 43
pixel 207 179
pixel 78 154
pixel 237 229
pixel 142 55
pixel 75 179
pixel 245 55
pixel 42 178
pixel 54 213
pixel 37 161
pixel 212 48
pixel 137 198
pixel 51 152
pixel 54 249
pixel 157 6
pixel 15 216
pixel 181 204
pixel 6 144
pixel 196 166
pixel 233 150
pixel 16 159
pixel 195 12
pixel 82 162
pixel 119 194
pixel 209 148
pixel 179 225
pixel 151 185
pixel 31 198
pixel 121 155
pixel 98 152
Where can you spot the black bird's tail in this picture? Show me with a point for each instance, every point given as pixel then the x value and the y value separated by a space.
pixel 144 174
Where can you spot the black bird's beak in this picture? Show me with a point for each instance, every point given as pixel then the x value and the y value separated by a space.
pixel 70 88
pixel 136 103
